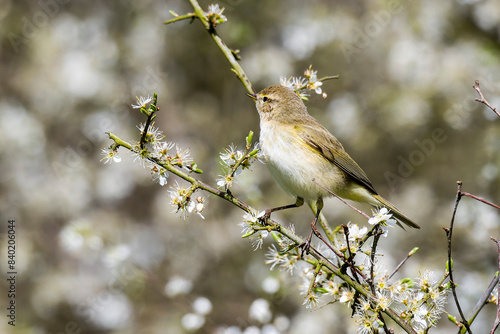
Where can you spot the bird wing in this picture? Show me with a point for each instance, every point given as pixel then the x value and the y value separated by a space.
pixel 330 148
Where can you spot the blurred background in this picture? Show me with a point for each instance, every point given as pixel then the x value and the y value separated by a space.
pixel 98 247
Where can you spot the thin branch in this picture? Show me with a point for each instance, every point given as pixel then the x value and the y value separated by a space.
pixel 483 300
pixel 480 199
pixel 151 115
pixel 347 262
pixel 449 233
pixel 497 319
pixel 373 253
pixel 329 77
pixel 196 183
pixel 413 251
pixel 482 99
pixel 178 18
pixel 350 259
pixel 228 53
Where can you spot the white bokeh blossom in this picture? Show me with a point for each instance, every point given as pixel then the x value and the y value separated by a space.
pixel 142 102
pixel 214 14
pixel 110 156
pixel 384 219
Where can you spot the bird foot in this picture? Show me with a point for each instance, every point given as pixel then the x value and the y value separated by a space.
pixel 306 245
pixel 265 216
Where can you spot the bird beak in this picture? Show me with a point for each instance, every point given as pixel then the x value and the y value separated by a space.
pixel 253 96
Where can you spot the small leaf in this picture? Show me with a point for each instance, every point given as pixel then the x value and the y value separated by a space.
pixel 248 234
pixel 254 152
pixel 409 281
pixel 320 290
pixel 413 251
pixel 194 168
pixel 249 139
pixel 452 318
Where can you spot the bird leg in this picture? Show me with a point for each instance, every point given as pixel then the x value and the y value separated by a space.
pixel 306 245
pixel 267 213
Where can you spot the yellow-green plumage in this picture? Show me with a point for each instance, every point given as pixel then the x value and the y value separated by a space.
pixel 298 149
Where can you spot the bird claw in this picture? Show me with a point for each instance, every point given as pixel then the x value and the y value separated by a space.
pixel 264 216
pixel 305 246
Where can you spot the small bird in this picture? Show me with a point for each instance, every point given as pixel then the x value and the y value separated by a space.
pixel 297 149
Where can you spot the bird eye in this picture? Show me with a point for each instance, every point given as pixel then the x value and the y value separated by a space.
pixel 265 99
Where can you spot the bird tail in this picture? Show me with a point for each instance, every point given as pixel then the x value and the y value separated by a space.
pixel 395 212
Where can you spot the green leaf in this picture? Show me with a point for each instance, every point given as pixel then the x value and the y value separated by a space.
pixel 409 281
pixel 248 234
pixel 320 290
pixel 249 139
pixel 452 318
pixel 413 251
pixel 194 168
pixel 254 152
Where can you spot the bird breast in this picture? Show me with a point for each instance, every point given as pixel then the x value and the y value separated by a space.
pixel 293 164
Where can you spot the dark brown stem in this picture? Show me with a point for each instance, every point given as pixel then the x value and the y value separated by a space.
pixel 449 233
pixel 376 237
pixel 151 115
pixel 347 261
pixel 497 319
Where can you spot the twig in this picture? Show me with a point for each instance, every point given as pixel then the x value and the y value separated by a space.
pixel 413 251
pixel 350 259
pixel 449 233
pixel 347 261
pixel 196 183
pixel 482 99
pixel 486 294
pixel 483 300
pixel 178 18
pixel 346 235
pixel 376 237
pixel 497 319
pixel 228 53
pixel 151 115
pixel 480 199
